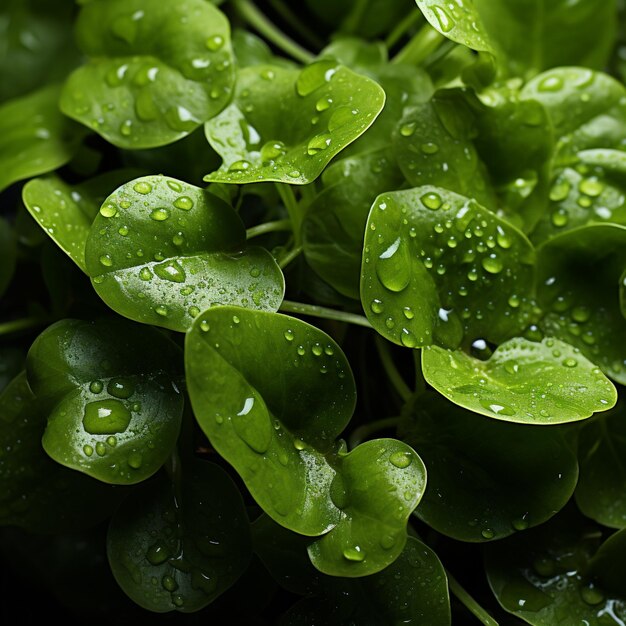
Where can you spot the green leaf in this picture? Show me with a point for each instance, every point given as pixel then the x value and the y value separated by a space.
pixel 334 225
pixel 602 453
pixel 413 587
pixel 543 576
pixel 35 137
pixel 179 552
pixel 66 212
pixel 110 386
pixel 488 479
pixel 272 394
pixel 523 381
pixel 157 69
pixel 578 282
pixel 11 364
pixel 36 493
pixel 607 564
pixel 7 255
pixel 286 125
pixel 440 268
pixel 161 251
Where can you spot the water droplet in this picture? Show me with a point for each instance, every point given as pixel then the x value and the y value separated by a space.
pixel 514 301
pixel 319 143
pixel 521 523
pixel 408 130
pixel 570 362
pixel 106 417
pixel 214 43
pixel 123 231
pixel 272 150
pixel 445 21
pixel 301 350
pixel 88 450
pixel 157 554
pixel 126 128
pixel 111 441
pixel 204 326
pixel 387 542
pixel 171 270
pixel 143 187
pixel 393 266
pixel 174 186
pixel 169 583
pixel 145 274
pixel 178 239
pixel 294 174
pixel 591 187
pixel 551 83
pixel 492 264
pixel 184 202
pixel 178 600
pixel 108 210
pixel 592 595
pixel 377 306
pixel 317 349
pixel 106 260
pixel 432 201
pixel 581 314
pixel 101 449
pixel 559 218
pixel 487 533
pixel 121 388
pixel 240 166
pixel 289 336
pixel 135 460
pixel 314 76
pixel 407 338
pixel 355 554
pixel 498 408
pixel 340 117
pixel 545 566
pixel 180 119
pixel 408 312
pixel 159 215
pixel 401 460
pixel 96 386
pixel 323 104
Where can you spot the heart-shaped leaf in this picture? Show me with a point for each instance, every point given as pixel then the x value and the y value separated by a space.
pixel 523 381
pixel 543 576
pixel 110 386
pixel 578 282
pixel 7 255
pixel 286 125
pixel 179 551
pixel 412 589
pixel 488 479
pixel 161 251
pixel 66 212
pixel 440 268
pixel 157 69
pixel 602 453
pixel 272 394
pixel 36 493
pixel 35 137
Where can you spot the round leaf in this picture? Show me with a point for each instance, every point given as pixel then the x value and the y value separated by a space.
pixel 439 268
pixel 179 553
pixel 488 479
pixel 377 487
pixel 523 381
pixel 161 251
pixel 116 410
pixel 286 125
pixel 272 393
pixel 157 69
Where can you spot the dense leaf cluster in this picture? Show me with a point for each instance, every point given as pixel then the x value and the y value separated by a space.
pixel 438 188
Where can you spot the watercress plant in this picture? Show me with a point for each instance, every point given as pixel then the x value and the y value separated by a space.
pixel 314 313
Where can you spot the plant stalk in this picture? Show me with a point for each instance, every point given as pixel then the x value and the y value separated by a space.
pixel 319 311
pixel 268 227
pixel 469 602
pixel 24 323
pixel 420 47
pixel 295 214
pixel 395 378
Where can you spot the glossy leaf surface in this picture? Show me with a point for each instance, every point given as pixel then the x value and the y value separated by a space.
pixel 160 251
pixel 440 268
pixel 110 390
pixel 523 381
pixel 156 69
pixel 286 125
pixel 195 545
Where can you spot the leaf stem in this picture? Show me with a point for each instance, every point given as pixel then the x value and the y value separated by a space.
pixel 361 433
pixel 174 470
pixel 420 381
pixel 391 370
pixel 295 214
pixel 351 23
pixel 294 253
pixel 251 14
pixel 291 18
pixel 420 47
pixel 319 311
pixel 402 27
pixel 268 227
pixel 469 602
pixel 24 323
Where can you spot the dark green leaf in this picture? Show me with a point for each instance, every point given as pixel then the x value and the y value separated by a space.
pixel 161 251
pixel 157 69
pixel 286 125
pixel 110 389
pixel 440 268
pixel 523 381
pixel 179 552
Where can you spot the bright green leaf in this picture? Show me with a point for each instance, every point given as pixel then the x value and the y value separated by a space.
pixel 488 479
pixel 113 402
pixel 286 125
pixel 157 69
pixel 35 137
pixel 194 544
pixel 440 268
pixel 523 381
pixel 161 251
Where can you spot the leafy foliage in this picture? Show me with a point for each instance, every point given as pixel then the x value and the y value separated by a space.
pixel 307 307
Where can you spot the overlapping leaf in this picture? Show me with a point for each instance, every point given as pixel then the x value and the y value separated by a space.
pixel 161 251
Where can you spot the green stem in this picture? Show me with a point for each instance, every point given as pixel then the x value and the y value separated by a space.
pixel 268 227
pixel 320 311
pixel 439 54
pixel 420 382
pixel 294 253
pixel 295 214
pixel 174 470
pixel 420 47
pixel 469 602
pixel 291 18
pixel 251 14
pixel 391 370
pixel 351 23
pixel 403 26
pixel 361 433
pixel 22 324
